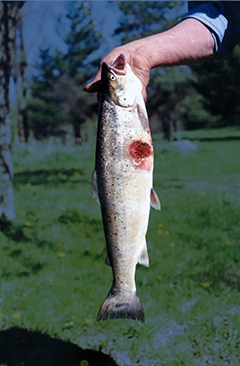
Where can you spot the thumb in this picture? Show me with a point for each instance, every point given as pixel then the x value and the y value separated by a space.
pixel 93 87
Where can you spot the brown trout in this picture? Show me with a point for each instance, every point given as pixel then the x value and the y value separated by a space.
pixel 122 184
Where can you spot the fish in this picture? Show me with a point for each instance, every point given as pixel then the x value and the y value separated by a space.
pixel 122 183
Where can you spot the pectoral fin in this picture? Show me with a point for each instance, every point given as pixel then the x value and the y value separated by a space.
pixel 155 202
pixel 95 187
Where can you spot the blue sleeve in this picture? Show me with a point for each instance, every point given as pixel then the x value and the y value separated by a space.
pixel 222 19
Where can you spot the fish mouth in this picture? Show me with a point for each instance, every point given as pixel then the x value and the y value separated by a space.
pixel 119 65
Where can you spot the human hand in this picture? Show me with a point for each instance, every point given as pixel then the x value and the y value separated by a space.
pixel 134 57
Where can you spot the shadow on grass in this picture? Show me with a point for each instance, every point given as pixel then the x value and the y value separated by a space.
pixel 32 348
pixel 16 233
pixel 50 177
pixel 12 230
pixel 74 217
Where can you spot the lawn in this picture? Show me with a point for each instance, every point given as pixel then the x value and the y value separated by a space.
pixel 53 272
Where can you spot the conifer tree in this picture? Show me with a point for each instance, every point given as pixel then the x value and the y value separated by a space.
pixel 57 91
pixel 218 86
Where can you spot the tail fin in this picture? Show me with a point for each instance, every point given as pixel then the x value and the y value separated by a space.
pixel 121 304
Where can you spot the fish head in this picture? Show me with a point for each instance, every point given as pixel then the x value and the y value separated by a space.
pixel 119 84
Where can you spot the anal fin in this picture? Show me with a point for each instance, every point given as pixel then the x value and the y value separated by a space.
pixel 143 258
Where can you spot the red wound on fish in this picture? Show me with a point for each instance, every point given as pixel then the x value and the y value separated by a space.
pixel 139 151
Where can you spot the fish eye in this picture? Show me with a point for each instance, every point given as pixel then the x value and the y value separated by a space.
pixel 112 77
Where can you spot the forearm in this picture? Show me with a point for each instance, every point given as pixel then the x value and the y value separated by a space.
pixel 188 42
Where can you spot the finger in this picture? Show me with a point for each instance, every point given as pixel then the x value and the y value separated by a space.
pixel 94 85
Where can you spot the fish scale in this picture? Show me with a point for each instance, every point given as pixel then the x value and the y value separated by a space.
pixel 122 184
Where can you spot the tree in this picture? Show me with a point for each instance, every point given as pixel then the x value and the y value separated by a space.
pixel 82 40
pixel 44 107
pixel 8 14
pixel 218 85
pixel 143 18
pixel 166 94
pixel 19 72
pixel 57 91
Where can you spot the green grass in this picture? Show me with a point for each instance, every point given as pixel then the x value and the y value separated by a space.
pixel 53 276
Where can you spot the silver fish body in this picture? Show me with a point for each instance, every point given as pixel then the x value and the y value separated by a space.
pixel 122 182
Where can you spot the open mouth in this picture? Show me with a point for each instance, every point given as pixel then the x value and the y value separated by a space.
pixel 119 66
